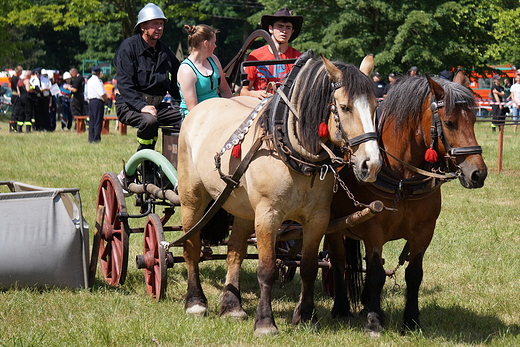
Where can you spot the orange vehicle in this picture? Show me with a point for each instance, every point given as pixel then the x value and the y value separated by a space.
pixel 4 81
pixel 481 84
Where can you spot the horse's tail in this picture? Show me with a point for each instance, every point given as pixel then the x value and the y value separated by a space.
pixel 217 229
pixel 354 275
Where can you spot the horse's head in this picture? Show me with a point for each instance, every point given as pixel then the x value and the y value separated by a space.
pixel 351 116
pixel 452 130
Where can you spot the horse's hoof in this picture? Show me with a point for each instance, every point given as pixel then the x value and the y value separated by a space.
pixel 266 331
pixel 238 315
pixel 374 325
pixel 197 310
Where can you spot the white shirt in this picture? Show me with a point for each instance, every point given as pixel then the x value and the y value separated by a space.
pixel 515 93
pixel 35 82
pixel 95 88
pixel 45 85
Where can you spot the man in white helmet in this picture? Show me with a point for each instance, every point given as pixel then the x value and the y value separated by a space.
pixel 146 71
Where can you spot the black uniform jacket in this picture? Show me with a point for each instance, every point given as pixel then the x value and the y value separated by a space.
pixel 141 68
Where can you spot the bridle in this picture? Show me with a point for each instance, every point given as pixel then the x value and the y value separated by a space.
pixel 388 185
pixel 281 105
pixel 340 133
pixel 436 132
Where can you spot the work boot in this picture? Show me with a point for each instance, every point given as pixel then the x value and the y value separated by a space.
pixel 19 128
pixel 124 183
pixel 27 128
pixel 12 127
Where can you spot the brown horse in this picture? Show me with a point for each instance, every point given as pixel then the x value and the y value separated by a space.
pixel 428 124
pixel 284 180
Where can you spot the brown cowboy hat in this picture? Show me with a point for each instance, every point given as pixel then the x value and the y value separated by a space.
pixel 286 15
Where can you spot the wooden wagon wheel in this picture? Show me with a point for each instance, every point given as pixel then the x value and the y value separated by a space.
pixel 154 258
pixel 112 241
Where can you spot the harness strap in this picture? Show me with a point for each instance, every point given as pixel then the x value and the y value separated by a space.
pixel 231 183
pixel 466 150
pixel 288 102
pixel 362 138
pixel 445 177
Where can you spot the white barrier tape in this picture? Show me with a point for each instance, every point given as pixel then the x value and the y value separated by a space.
pixel 489 103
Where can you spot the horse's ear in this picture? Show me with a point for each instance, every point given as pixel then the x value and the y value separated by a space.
pixel 435 88
pixel 461 78
pixel 367 65
pixel 335 74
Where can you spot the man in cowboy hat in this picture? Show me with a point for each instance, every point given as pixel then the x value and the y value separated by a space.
pixel 284 28
pixel 146 72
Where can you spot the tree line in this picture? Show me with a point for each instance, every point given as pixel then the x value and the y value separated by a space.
pixel 433 35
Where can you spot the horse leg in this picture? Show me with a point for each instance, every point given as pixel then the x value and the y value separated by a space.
pixel 231 305
pixel 266 226
pixel 195 302
pixel 312 234
pixel 337 255
pixel 375 280
pixel 413 278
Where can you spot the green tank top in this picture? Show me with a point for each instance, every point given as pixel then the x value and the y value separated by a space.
pixel 206 86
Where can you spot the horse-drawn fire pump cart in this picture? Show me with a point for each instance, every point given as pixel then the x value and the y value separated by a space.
pixel 113 230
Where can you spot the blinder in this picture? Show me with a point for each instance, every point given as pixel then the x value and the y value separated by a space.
pixel 340 132
pixel 437 132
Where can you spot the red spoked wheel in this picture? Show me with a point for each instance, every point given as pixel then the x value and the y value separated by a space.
pixel 113 240
pixel 154 258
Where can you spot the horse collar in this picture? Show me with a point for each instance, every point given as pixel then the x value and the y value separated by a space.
pixel 277 125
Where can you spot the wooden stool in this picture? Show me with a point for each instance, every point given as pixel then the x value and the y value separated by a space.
pixel 80 124
pixel 106 125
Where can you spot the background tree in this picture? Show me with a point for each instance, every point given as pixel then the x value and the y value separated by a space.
pixel 431 35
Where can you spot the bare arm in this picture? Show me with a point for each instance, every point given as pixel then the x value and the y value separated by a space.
pixel 259 94
pixel 187 79
pixel 223 87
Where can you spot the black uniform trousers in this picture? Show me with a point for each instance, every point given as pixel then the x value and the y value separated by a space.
pixel 96 108
pixel 147 125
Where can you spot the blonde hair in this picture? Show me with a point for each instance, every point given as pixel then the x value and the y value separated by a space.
pixel 198 34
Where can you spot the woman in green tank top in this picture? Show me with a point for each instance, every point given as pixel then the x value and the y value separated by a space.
pixel 199 75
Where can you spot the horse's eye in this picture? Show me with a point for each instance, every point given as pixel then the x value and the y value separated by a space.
pixel 449 125
pixel 344 108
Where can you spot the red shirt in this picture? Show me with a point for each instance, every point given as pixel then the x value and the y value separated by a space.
pixel 263 74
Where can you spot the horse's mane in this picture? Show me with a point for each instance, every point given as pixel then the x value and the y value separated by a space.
pixel 312 93
pixel 405 100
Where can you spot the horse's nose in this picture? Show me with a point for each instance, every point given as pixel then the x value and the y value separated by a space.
pixel 478 177
pixel 368 169
pixel 373 168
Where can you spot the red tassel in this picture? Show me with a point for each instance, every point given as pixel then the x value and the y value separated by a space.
pixel 236 151
pixel 431 155
pixel 323 130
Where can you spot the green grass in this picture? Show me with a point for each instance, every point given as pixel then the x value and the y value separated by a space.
pixel 469 295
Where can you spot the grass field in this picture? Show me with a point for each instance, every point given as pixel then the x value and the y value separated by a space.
pixel 469 297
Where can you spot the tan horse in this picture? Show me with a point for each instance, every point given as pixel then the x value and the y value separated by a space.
pixel 269 192
pixel 427 124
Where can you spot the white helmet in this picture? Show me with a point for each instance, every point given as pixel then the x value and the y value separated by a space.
pixel 66 75
pixel 149 12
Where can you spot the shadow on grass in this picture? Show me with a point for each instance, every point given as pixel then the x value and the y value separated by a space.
pixel 460 325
